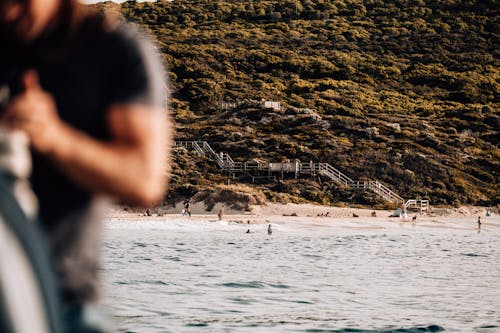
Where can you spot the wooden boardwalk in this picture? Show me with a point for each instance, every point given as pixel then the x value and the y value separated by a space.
pixel 226 163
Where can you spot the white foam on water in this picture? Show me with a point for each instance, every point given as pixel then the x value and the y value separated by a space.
pixel 308 225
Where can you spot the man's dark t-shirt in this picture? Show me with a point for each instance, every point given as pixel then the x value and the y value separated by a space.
pixel 99 69
pixel 90 72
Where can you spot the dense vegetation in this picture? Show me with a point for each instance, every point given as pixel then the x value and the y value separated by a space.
pixel 404 91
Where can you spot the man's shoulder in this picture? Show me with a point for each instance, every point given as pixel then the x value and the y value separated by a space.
pixel 112 43
pixel 127 39
pixel 131 65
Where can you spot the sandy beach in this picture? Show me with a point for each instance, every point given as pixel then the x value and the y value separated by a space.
pixel 462 218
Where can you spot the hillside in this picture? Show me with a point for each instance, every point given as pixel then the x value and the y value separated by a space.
pixel 406 92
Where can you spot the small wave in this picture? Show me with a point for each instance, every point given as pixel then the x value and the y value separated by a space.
pixel 473 255
pixel 312 256
pixel 197 265
pixel 241 300
pixel 139 258
pixel 197 325
pixel 280 286
pixel 428 329
pixel 254 284
pixel 210 275
pixel 135 282
pixel 251 284
pixel 157 282
pixel 172 258
pixel 122 282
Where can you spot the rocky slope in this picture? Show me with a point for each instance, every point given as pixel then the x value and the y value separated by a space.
pixel 404 91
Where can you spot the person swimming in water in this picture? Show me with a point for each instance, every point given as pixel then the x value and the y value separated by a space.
pixel 269 230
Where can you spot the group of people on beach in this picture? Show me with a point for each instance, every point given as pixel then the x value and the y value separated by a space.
pixel 187 210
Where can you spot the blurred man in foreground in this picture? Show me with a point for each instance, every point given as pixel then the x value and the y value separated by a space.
pixel 90 95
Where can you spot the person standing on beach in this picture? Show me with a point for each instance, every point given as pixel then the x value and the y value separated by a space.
pixel 403 211
pixel 90 95
pixel 269 230
pixel 187 211
pixel 220 214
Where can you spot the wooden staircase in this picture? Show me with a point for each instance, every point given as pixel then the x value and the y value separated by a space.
pixel 226 163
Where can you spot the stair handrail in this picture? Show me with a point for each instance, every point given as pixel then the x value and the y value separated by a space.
pixel 208 149
pixel 346 179
pixel 229 159
pixel 197 147
pixel 385 191
pixel 225 162
pixel 334 174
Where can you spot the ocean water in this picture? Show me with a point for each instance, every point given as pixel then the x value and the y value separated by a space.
pixel 190 276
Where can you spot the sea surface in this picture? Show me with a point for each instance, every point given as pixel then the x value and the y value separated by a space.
pixel 179 275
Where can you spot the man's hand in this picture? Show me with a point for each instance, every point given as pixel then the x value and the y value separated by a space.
pixel 34 112
pixel 131 166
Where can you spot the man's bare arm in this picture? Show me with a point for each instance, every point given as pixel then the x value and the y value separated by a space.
pixel 132 166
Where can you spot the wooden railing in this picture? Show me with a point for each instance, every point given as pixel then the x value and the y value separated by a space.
pixel 385 192
pixel 225 162
pixel 334 174
pixel 197 147
pixel 416 204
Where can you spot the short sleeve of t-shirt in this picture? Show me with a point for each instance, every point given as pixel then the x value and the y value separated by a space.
pixel 136 72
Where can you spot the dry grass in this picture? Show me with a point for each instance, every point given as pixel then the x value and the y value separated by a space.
pixel 238 197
